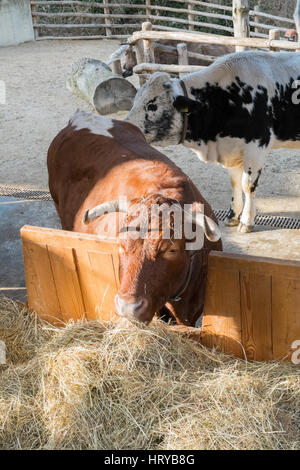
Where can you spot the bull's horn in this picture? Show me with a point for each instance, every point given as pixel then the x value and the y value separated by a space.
pixel 116 55
pixel 105 208
pixel 210 228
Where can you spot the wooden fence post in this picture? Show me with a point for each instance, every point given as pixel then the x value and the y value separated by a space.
pixel 148 10
pixel 274 34
pixel 108 30
pixel 191 17
pixel 256 18
pixel 116 67
pixel 139 51
pixel 144 50
pixel 297 18
pixel 241 21
pixel 148 44
pixel 182 54
pixel 34 21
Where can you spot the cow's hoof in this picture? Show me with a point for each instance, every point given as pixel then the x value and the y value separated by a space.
pixel 231 222
pixel 242 228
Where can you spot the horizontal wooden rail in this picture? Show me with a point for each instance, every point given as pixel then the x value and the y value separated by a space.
pixel 256 43
pixel 255 34
pixel 110 12
pixel 271 17
pixel 101 6
pixel 206 5
pixel 266 26
pixel 85 25
pixel 150 7
pixel 192 55
pixel 82 38
pixel 86 15
pixel 97 5
pixel 169 68
pixel 140 16
pixel 116 25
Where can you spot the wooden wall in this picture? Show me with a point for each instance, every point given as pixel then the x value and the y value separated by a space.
pixel 69 275
pixel 252 305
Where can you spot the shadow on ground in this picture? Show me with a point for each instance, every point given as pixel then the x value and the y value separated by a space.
pixel 14 213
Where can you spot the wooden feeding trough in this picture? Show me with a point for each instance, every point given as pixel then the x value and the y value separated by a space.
pixel 252 305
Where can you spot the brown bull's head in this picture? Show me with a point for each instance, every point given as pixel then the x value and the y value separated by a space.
pixel 157 244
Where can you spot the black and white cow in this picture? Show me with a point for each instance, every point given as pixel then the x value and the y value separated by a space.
pixel 236 111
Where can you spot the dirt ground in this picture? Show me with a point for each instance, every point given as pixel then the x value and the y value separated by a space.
pixel 39 105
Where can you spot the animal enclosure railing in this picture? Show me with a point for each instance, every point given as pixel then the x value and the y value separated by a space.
pixel 60 19
pixel 143 42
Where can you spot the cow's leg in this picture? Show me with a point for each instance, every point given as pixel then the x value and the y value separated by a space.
pixel 252 170
pixel 237 204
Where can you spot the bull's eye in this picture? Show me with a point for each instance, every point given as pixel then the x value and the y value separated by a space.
pixel 122 250
pixel 170 253
pixel 152 107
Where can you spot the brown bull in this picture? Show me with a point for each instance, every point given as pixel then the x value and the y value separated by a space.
pixel 93 164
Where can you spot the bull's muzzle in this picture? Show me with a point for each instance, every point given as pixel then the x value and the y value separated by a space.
pixel 127 73
pixel 133 308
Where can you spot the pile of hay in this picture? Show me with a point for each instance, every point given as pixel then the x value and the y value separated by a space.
pixel 91 386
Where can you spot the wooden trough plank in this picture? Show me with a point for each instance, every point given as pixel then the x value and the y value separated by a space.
pixel 255 264
pixel 66 238
pixel 72 276
pixel 41 288
pixel 256 316
pixel 105 282
pixel 285 315
pixel 222 318
pixel 67 283
pixel 98 284
pixel 269 313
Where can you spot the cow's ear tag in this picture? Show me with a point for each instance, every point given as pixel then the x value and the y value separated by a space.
pixel 184 110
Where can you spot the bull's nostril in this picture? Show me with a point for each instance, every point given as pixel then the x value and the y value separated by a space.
pixel 138 305
pixel 128 309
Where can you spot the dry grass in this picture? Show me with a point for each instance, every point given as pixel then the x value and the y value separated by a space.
pixel 117 387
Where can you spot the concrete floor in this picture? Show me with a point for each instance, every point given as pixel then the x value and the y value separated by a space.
pixel 14 213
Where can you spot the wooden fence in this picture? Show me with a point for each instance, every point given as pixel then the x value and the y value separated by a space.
pixel 118 20
pixel 251 304
pixel 143 42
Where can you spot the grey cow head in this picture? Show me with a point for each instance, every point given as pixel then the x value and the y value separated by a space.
pixel 154 113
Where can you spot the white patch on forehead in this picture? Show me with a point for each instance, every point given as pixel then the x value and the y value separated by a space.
pixel 176 88
pixel 95 124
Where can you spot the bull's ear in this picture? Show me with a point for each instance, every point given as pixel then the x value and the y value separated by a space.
pixel 181 104
pixel 159 78
pixel 185 105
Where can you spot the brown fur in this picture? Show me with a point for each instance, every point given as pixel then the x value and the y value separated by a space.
pixel 86 169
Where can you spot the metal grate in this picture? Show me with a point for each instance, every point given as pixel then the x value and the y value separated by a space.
pixel 25 193
pixel 267 220
pixel 43 195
